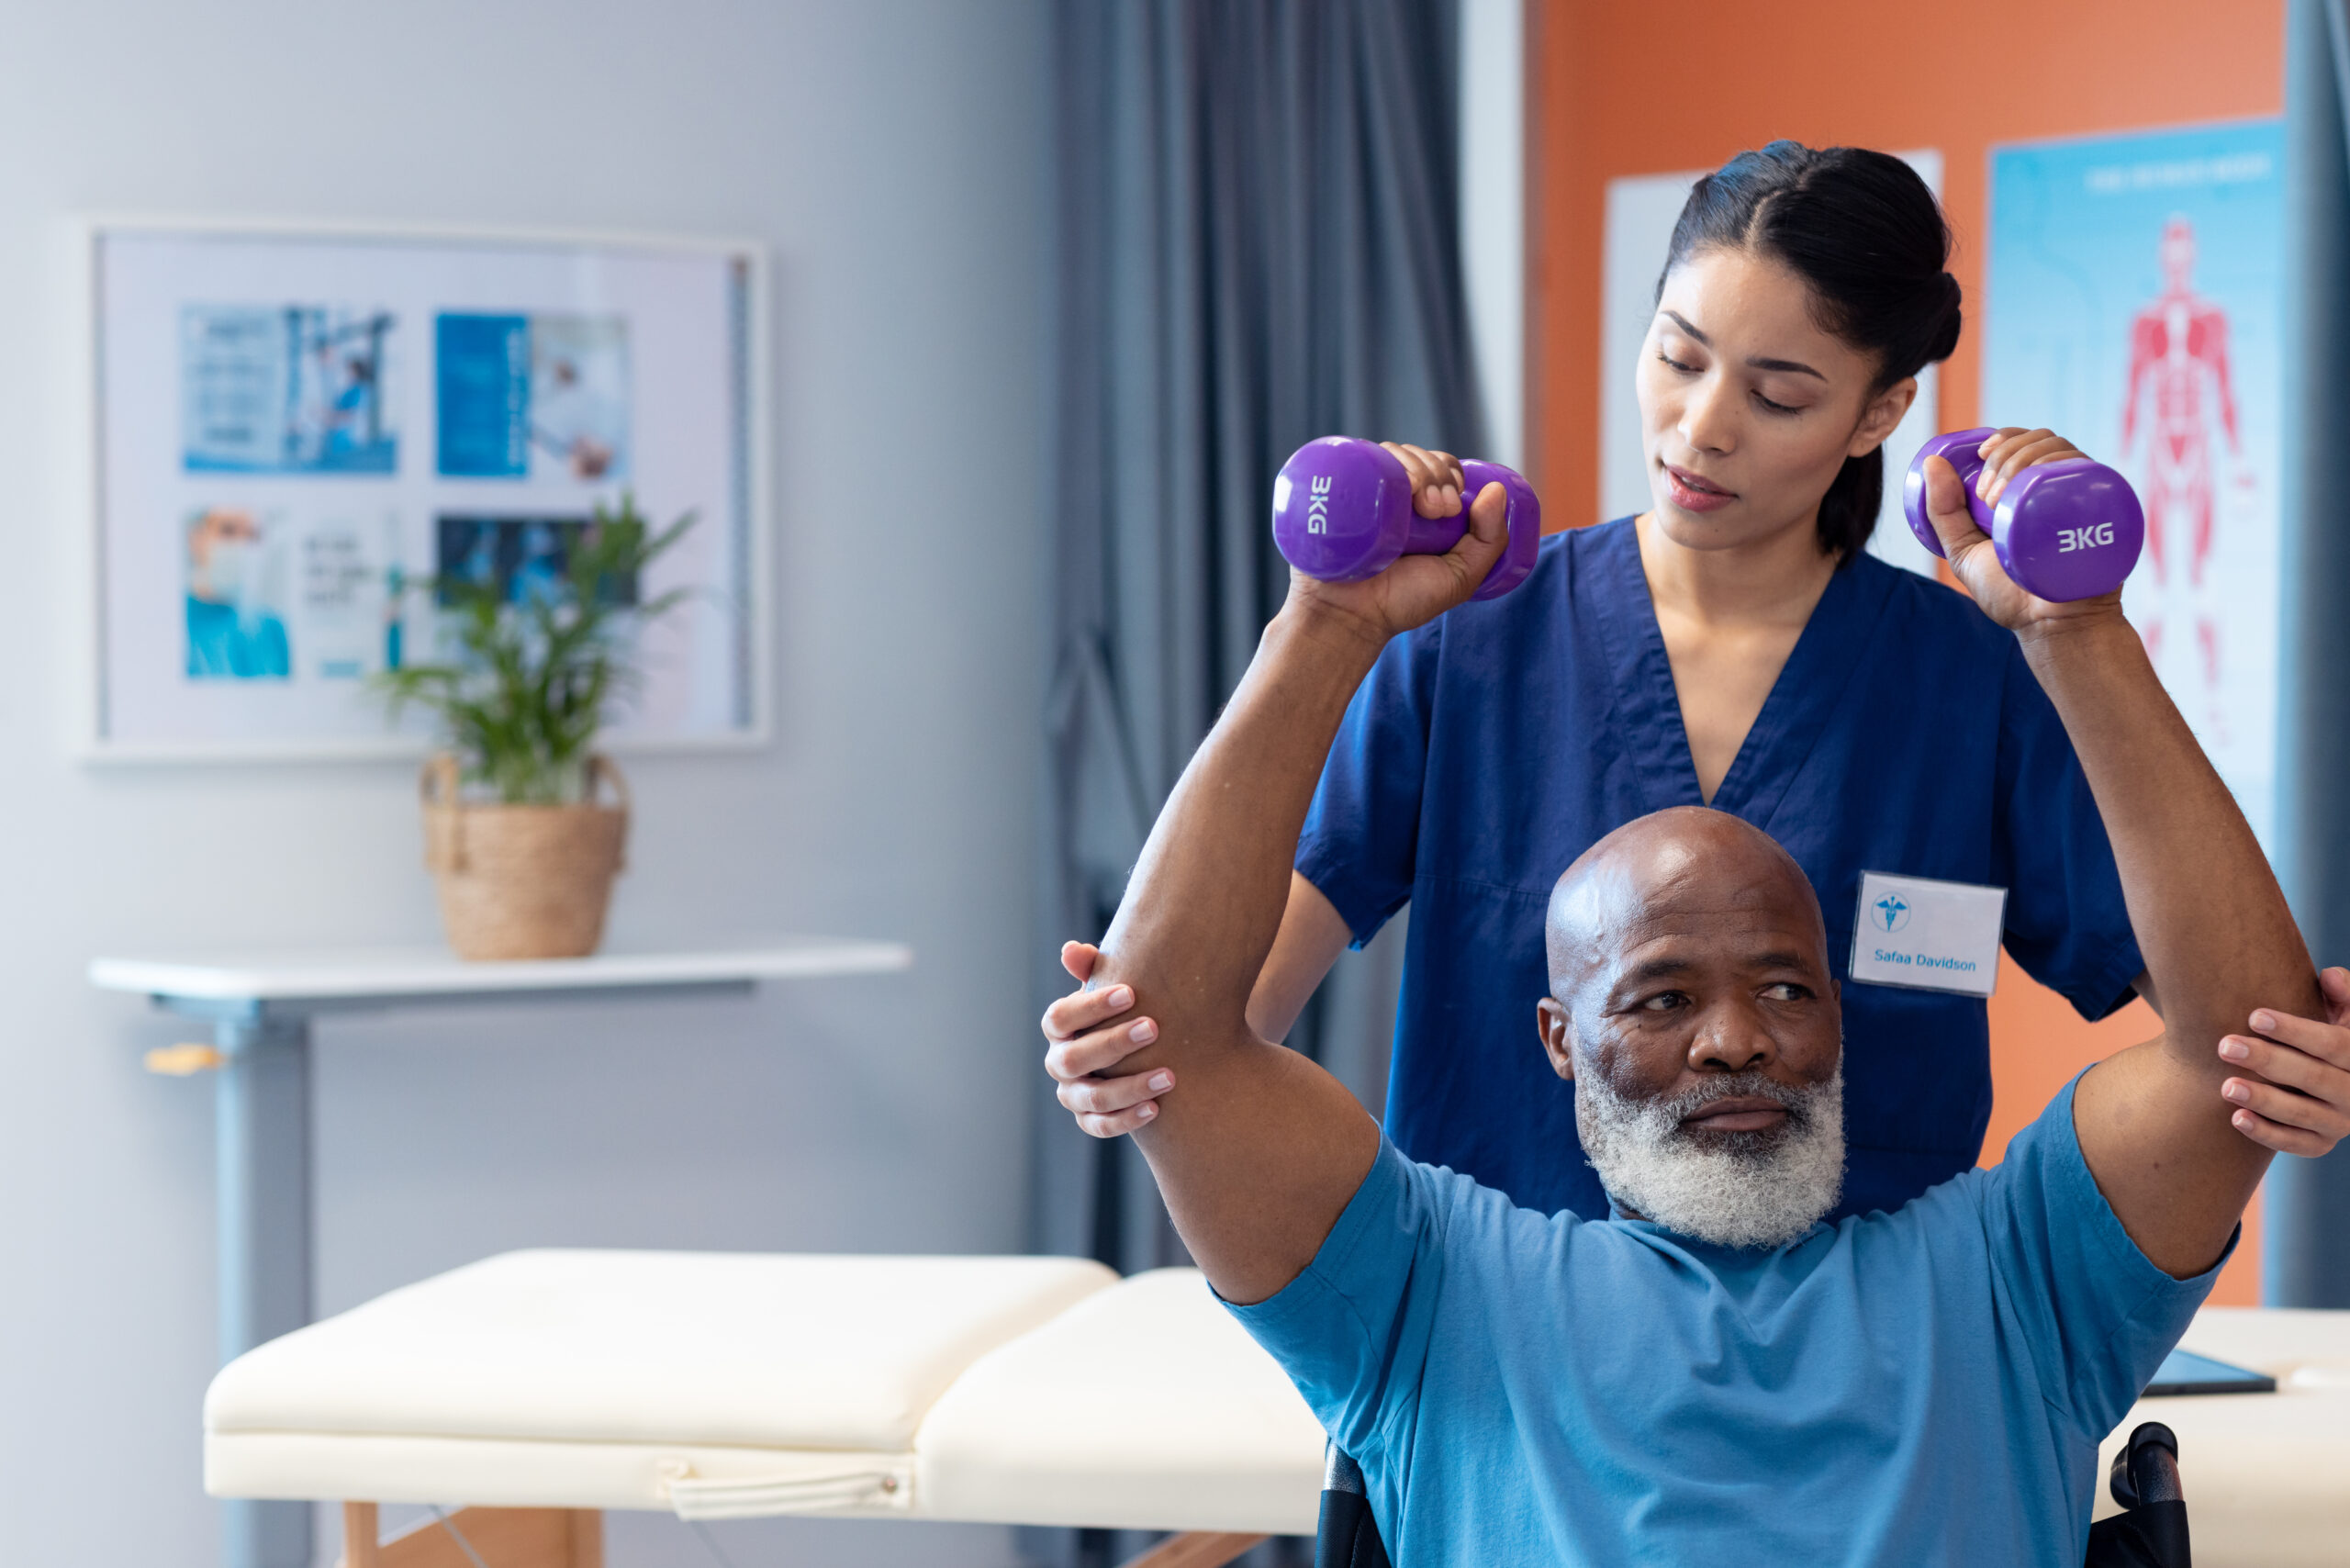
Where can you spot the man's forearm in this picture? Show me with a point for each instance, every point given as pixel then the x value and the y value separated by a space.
pixel 1258 1150
pixel 2214 929
pixel 1206 897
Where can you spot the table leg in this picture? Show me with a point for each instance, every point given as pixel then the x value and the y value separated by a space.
pixel 263 1148
pixel 1196 1549
pixel 360 1530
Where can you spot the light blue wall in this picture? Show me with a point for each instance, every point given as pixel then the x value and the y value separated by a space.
pixel 893 155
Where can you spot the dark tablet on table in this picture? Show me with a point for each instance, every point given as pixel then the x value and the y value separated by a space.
pixel 2183 1371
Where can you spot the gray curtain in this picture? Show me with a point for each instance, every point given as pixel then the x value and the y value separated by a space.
pixel 2307 1246
pixel 1259 245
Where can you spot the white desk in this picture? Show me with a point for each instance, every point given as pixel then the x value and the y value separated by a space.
pixel 2266 1475
pixel 260 1006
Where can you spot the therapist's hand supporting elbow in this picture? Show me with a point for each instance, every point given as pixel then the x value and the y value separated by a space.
pixel 2292 1094
pixel 1087 1033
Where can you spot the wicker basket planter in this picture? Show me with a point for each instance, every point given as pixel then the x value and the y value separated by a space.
pixel 523 881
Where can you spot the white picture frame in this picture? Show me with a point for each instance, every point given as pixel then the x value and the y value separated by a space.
pixel 345 476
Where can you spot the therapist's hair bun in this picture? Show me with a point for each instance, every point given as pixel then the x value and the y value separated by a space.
pixel 1864 231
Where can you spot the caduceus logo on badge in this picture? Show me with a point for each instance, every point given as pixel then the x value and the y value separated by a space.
pixel 1892 911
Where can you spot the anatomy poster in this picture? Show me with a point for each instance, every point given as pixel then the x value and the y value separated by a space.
pixel 296 433
pixel 2134 286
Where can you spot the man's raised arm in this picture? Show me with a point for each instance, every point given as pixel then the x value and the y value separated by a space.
pixel 1260 1152
pixel 2219 940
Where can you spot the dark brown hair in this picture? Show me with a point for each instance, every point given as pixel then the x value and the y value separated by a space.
pixel 1867 237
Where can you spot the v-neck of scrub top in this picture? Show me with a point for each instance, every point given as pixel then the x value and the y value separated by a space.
pixel 1798 707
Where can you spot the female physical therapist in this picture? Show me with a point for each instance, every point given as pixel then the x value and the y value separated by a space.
pixel 1733 647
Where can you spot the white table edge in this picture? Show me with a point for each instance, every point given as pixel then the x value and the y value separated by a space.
pixel 289 977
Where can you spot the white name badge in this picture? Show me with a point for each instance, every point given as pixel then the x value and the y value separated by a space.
pixel 1934 936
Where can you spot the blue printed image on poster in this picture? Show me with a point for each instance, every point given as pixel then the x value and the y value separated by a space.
pixel 286 389
pixel 2133 308
pixel 528 559
pixel 292 592
pixel 482 378
pixel 234 568
pixel 532 396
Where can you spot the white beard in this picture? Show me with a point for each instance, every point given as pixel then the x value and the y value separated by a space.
pixel 1758 1188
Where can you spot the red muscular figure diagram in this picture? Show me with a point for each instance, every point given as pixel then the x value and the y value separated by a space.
pixel 2178 379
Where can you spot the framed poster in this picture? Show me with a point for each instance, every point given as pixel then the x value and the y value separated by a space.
pixel 1641 211
pixel 293 429
pixel 2135 284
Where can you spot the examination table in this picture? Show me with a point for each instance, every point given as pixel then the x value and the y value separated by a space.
pixel 535 1389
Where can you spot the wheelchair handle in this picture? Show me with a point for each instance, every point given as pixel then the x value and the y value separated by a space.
pixel 2146 1470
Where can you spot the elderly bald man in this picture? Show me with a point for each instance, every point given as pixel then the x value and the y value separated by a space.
pixel 1711 1373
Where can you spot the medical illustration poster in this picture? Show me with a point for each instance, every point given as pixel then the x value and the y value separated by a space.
pixel 2133 308
pixel 300 438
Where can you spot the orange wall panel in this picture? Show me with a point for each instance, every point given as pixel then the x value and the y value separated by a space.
pixel 1615 88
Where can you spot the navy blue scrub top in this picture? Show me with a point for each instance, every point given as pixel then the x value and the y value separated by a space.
pixel 1492 747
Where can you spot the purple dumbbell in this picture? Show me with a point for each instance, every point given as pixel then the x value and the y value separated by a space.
pixel 1342 511
pixel 2063 531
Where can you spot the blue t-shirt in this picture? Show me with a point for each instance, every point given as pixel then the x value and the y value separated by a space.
pixel 1921 1387
pixel 1906 734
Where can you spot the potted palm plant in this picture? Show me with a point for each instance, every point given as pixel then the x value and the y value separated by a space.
pixel 525 823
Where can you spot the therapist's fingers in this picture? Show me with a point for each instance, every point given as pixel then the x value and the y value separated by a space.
pixel 1098 1050
pixel 2273 1119
pixel 1083 1008
pixel 2327 1043
pixel 1107 1107
pixel 2320 1118
pixel 2299 1103
pixel 2334 983
pixel 1121 1124
pixel 1080 1010
pixel 2283 1139
pixel 1107 1096
pixel 1078 958
pixel 2301 1071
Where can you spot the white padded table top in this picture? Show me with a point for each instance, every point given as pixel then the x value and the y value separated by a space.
pixel 950 1388
pixel 739 1349
pixel 1199 1429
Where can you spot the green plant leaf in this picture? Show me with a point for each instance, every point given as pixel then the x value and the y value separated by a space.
pixel 537 679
